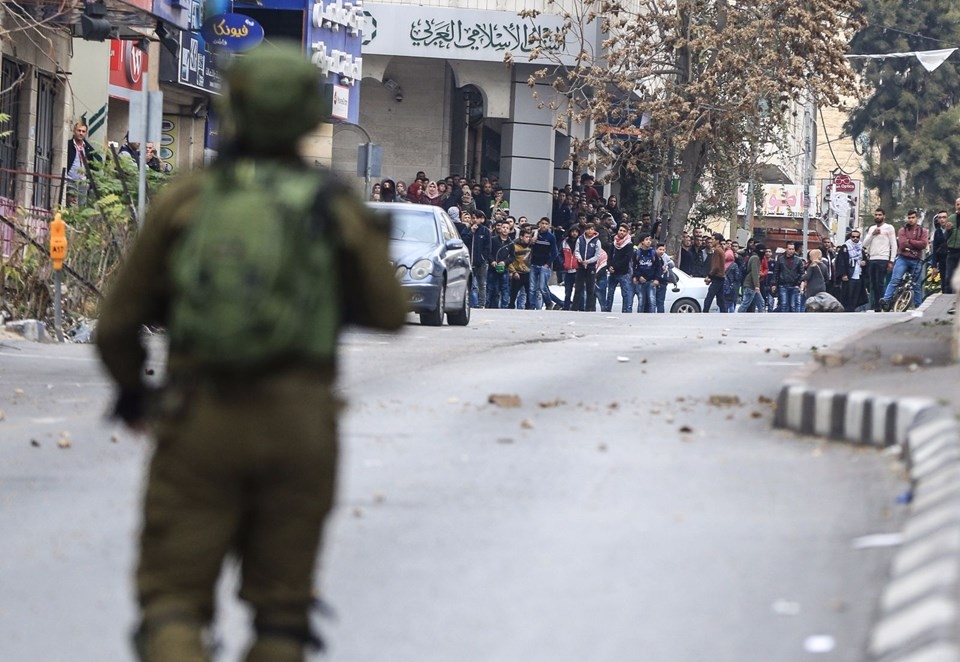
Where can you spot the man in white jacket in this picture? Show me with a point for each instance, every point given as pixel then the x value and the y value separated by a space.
pixel 880 248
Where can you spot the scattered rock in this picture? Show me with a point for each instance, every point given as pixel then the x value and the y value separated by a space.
pixel 3 415
pixel 613 405
pixel 906 359
pixel 114 438
pixel 724 400
pixel 35 443
pixel 786 355
pixel 504 440
pixel 764 400
pixel 30 329
pixel 547 404
pixel 526 424
pixel 831 360
pixel 602 448
pixel 64 442
pixel 686 429
pixel 756 414
pixel 357 511
pixel 378 497
pixel 504 400
pixel 623 359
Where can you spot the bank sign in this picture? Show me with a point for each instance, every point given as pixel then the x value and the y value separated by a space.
pixel 459 34
pixel 334 31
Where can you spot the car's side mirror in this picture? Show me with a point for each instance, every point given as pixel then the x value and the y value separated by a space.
pixel 454 244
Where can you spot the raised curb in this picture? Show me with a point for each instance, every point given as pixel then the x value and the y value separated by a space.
pixel 919 612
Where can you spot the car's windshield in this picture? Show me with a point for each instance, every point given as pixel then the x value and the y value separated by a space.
pixel 413 226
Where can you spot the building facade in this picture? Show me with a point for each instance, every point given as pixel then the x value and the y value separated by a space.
pixel 437 96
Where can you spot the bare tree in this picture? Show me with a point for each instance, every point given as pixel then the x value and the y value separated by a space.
pixel 693 83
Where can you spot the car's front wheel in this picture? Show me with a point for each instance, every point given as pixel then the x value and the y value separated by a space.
pixel 462 316
pixel 435 317
pixel 685 306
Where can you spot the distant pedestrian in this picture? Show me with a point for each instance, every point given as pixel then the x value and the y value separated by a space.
pixel 788 272
pixel 880 248
pixel 716 275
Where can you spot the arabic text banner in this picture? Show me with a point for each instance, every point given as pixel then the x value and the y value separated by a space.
pixel 454 34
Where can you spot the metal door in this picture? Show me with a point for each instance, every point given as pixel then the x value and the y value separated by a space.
pixel 10 106
pixel 43 161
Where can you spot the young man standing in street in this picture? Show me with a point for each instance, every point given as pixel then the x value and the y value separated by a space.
pixel 587 254
pixel 787 275
pixel 543 253
pixel 620 272
pixel 951 242
pixel 647 269
pixel 716 274
pixel 911 243
pixel 880 246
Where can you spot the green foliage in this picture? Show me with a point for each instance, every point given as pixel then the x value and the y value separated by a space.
pixel 98 234
pixel 911 115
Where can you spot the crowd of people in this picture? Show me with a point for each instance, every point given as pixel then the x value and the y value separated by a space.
pixel 594 248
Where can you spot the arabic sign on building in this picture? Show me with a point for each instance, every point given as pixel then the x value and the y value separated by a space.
pixel 784 200
pixel 232 32
pixel 455 34
pixel 195 64
pixel 335 30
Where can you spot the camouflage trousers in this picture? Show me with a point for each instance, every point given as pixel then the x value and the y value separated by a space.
pixel 246 470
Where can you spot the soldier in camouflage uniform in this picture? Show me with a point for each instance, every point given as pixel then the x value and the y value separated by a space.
pixel 244 464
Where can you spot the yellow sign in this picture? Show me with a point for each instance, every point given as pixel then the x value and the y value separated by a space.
pixel 58 241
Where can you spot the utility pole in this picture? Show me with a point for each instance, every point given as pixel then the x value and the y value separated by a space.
pixel 807 166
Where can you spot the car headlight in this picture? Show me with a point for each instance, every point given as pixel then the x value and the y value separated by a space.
pixel 421 269
pixel 401 272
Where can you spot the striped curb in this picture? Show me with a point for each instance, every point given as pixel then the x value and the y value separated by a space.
pixel 862 417
pixel 919 612
pixel 918 619
pixel 919 615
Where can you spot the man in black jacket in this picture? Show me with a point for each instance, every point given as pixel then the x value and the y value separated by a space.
pixel 80 154
pixel 786 279
pixel 476 236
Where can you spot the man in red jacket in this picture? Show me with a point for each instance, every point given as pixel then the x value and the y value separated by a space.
pixel 911 243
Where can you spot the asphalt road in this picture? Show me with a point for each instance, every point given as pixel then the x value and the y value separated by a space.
pixel 628 509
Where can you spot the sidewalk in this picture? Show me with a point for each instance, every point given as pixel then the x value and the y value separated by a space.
pixel 898 386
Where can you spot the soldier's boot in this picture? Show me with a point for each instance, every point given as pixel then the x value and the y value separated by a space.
pixel 171 640
pixel 276 649
pixel 283 645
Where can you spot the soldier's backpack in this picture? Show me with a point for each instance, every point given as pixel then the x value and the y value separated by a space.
pixel 254 275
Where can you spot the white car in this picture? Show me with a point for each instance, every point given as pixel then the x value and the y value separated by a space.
pixel 685 297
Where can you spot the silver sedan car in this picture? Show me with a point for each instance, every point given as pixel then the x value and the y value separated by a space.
pixel 432 263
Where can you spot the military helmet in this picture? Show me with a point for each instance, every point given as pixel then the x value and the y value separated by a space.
pixel 273 97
